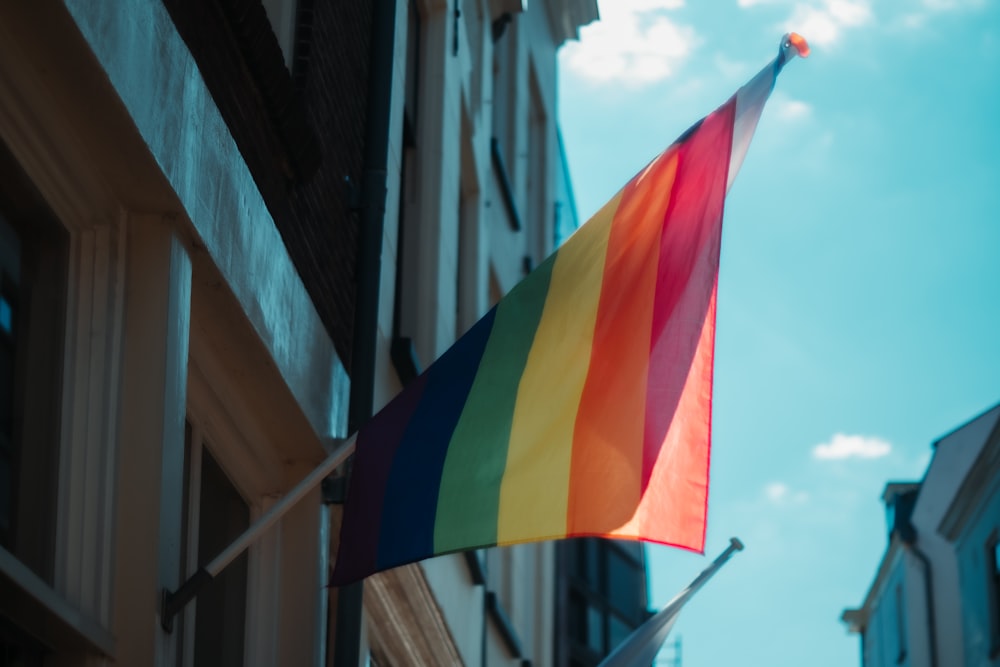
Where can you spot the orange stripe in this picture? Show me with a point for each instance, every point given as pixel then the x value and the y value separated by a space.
pixel 606 466
pixel 675 504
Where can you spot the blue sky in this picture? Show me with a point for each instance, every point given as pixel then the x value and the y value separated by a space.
pixel 859 294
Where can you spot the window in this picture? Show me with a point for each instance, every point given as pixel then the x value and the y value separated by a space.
pixel 537 174
pixel 595 629
pixel 586 561
pixel 607 595
pixel 404 318
pixel 33 267
pixel 618 632
pixel 16 648
pixel 625 584
pixel 216 515
pixel 993 591
pixel 503 145
pixel 282 15
pixel 900 621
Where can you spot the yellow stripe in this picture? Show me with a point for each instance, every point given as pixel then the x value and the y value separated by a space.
pixel 535 489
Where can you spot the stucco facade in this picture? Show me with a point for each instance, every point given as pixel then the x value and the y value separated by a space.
pixel 183 212
pixel 475 152
pixel 188 344
pixel 934 600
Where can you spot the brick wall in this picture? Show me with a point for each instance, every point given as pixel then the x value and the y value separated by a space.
pixel 334 89
pixel 300 133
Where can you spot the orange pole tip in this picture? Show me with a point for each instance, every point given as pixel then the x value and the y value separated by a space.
pixel 799 42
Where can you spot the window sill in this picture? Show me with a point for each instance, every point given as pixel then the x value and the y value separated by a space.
pixel 32 605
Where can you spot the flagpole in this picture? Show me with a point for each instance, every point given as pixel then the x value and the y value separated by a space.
pixel 734 545
pixel 173 601
pixel 641 647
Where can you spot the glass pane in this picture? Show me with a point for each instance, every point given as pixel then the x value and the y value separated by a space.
pixel 220 615
pixel 595 629
pixel 624 585
pixel 577 618
pixel 593 547
pixel 33 265
pixel 6 316
pixel 18 649
pixel 618 631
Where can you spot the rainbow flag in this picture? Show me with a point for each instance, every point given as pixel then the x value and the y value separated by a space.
pixel 581 403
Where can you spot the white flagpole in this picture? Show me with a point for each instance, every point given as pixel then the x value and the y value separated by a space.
pixel 641 647
pixel 173 602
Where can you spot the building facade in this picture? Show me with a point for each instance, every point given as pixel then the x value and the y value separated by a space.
pixel 935 600
pixel 167 374
pixel 601 597
pixel 482 195
pixel 230 230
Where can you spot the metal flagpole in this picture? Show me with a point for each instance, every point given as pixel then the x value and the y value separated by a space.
pixel 641 647
pixel 172 602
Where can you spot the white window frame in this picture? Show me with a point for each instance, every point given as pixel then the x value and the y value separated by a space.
pixel 213 426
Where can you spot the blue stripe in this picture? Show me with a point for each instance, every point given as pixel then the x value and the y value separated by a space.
pixel 407 532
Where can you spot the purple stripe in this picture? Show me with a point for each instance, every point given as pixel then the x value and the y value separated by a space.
pixel 376 450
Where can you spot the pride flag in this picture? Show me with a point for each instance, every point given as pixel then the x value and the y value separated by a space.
pixel 581 403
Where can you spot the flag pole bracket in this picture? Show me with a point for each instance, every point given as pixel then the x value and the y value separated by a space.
pixel 172 602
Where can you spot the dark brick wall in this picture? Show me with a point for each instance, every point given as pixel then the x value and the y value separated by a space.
pixel 334 90
pixel 301 133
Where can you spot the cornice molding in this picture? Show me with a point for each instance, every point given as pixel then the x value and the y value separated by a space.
pixel 406 625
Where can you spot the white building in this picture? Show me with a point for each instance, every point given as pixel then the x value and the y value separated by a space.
pixel 175 250
pixel 477 156
pixel 934 601
pixel 971 524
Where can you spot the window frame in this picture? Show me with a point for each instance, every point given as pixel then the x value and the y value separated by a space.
pixel 900 622
pixel 257 480
pixel 68 598
pixel 992 562
pixel 196 443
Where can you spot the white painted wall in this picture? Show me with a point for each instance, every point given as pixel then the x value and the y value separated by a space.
pixel 182 298
pixel 954 455
pixel 974 577
pixel 446 243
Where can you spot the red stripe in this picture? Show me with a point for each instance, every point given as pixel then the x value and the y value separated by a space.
pixel 605 467
pixel 683 334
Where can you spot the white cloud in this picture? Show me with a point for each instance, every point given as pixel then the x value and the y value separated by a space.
pixel 843 446
pixel 952 5
pixel 789 110
pixel 633 6
pixel 825 23
pixel 635 42
pixel 779 493
pixel 732 69
pixel 925 11
pixel 913 21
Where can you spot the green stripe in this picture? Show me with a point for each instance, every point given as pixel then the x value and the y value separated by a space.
pixel 469 497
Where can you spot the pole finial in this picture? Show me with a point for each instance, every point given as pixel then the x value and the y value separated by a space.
pixel 796 41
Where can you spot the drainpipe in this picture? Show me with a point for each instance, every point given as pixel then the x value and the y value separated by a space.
pixel 347 641
pixel 909 538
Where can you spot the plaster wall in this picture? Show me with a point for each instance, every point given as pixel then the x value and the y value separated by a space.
pixel 121 134
pixel 158 82
pixel 954 455
pixel 974 580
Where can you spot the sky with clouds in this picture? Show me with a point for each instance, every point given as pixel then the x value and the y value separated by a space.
pixel 859 290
